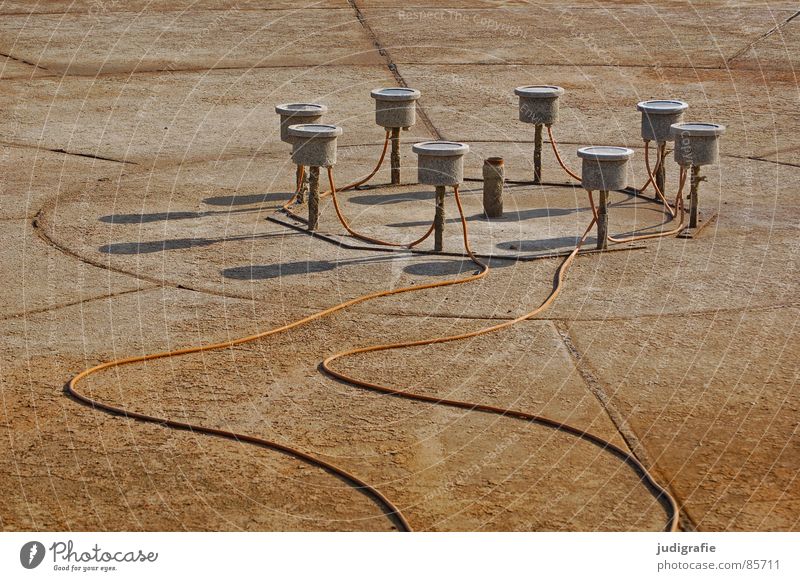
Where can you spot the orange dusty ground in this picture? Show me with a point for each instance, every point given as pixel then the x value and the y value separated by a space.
pixel 141 163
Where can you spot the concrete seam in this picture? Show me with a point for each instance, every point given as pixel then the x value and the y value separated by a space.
pixel 768 33
pixel 74 303
pixel 164 11
pixel 22 60
pixel 65 152
pixel 631 439
pixel 392 67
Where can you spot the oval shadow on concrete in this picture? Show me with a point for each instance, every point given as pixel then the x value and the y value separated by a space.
pixel 247 199
pixel 560 243
pixel 155 246
pixel 269 271
pixel 444 267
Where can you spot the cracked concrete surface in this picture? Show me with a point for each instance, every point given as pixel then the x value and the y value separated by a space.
pixel 141 162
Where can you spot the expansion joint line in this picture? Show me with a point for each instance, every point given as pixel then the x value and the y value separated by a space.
pixel 624 429
pixel 768 33
pixel 22 60
pixel 392 66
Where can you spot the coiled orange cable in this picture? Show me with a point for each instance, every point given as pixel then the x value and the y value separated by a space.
pixel 661 493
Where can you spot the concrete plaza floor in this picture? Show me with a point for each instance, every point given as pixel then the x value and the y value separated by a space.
pixel 141 161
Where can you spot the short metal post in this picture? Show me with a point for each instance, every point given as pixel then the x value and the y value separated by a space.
pixel 661 170
pixel 602 221
pixel 302 184
pixel 537 155
pixel 694 196
pixel 493 177
pixel 313 198
pixel 438 220
pixel 395 157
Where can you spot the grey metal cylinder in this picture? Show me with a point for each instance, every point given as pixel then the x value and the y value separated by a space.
pixel 395 106
pixel 294 113
pixel 604 167
pixel 314 145
pixel 658 116
pixel 697 143
pixel 440 163
pixel 538 104
pixel 493 178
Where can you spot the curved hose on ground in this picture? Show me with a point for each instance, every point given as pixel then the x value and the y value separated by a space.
pixel 651 177
pixel 375 495
pixel 678 204
pixel 661 493
pixel 364 237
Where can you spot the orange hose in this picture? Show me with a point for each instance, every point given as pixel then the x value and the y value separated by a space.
pixel 662 154
pixel 661 493
pixel 678 203
pixel 387 506
pixel 558 155
pixel 651 177
pixel 364 237
pixel 300 177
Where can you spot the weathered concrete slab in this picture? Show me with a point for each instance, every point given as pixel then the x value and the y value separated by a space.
pixel 449 470
pixel 467 102
pixel 89 44
pixel 712 399
pixel 64 457
pixel 181 117
pixel 501 5
pixel 204 226
pixel 632 35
